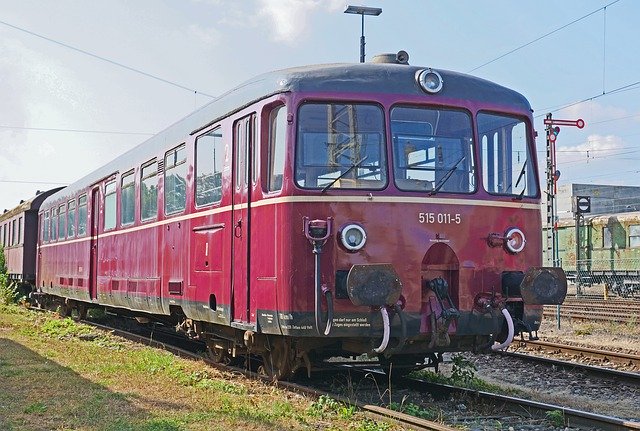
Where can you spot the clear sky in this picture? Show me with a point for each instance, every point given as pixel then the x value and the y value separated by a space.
pixel 212 45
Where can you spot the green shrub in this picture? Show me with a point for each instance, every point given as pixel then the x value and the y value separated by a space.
pixel 9 292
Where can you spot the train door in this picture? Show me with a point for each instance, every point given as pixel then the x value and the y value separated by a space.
pixel 93 250
pixel 243 137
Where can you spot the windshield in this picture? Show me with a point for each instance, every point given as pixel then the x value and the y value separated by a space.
pixel 433 150
pixel 507 165
pixel 340 146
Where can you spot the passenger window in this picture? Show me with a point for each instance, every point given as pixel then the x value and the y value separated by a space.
pixel 149 191
pixel 82 215
pixel 175 180
pixel 277 147
pixel 209 162
pixel 62 220
pixel 127 199
pixel 71 219
pixel 110 205
pixel 255 145
pixel 54 224
pixel 45 227
pixel 20 240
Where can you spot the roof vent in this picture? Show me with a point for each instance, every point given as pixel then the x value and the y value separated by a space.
pixel 400 58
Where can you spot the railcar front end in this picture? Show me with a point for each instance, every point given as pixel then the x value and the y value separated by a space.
pixel 415 226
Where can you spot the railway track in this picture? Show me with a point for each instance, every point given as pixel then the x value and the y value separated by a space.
pixel 621 311
pixel 503 403
pixel 580 353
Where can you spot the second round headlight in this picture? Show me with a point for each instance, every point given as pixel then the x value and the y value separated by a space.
pixel 353 237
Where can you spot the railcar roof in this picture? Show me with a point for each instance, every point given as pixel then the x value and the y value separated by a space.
pixel 383 78
pixel 30 204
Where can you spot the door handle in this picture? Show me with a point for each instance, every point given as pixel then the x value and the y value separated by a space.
pixel 237 231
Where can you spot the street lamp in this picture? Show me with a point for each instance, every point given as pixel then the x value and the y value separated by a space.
pixel 363 10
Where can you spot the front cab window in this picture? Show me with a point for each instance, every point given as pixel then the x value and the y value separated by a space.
pixel 507 163
pixel 340 146
pixel 432 150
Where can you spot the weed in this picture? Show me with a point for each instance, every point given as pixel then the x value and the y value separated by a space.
pixel 9 292
pixel 584 330
pixel 35 408
pixel 556 417
pixel 63 328
pixel 371 425
pixel 414 410
pixel 325 404
pixel 463 371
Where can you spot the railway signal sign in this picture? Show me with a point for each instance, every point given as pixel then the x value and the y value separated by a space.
pixel 552 128
pixel 579 123
pixel 583 204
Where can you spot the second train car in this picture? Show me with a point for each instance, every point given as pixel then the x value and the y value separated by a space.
pixel 326 210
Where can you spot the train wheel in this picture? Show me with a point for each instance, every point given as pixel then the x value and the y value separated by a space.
pixel 277 359
pixel 218 355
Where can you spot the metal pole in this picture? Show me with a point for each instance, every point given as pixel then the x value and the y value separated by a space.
pixel 578 281
pixel 362 41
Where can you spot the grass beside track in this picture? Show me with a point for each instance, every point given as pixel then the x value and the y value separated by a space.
pixel 56 374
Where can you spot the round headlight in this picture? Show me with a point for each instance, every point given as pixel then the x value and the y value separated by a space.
pixel 353 237
pixel 515 240
pixel 430 80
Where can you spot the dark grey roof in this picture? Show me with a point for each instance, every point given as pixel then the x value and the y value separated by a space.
pixel 32 204
pixel 354 78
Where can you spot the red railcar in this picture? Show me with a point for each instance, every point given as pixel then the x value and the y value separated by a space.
pixel 325 210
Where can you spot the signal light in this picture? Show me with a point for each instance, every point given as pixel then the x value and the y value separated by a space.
pixel 554 133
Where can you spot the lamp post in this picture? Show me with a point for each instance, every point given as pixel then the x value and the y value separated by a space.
pixel 362 11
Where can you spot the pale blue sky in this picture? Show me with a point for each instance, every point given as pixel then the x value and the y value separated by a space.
pixel 213 45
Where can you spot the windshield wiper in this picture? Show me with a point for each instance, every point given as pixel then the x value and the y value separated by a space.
pixel 444 179
pixel 349 169
pixel 522 171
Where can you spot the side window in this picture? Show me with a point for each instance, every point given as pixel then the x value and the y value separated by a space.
pixel 607 241
pixel 255 144
pixel 62 221
pixel 71 219
pixel 110 205
pixel 209 162
pixel 82 215
pixel 175 180
pixel 277 148
pixel 127 199
pixel 54 224
pixel 634 235
pixel 149 191
pixel 45 227
pixel 20 239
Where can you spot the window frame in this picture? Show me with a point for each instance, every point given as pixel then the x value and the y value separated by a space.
pixel 143 177
pixel 107 195
pixel 75 218
pixel 634 237
pixel 472 148
pixel 275 149
pixel 531 154
pixel 168 168
pixel 132 201
pixel 383 131
pixel 78 216
pixel 216 130
pixel 62 222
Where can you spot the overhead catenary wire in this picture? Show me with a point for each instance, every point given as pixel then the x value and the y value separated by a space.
pixel 542 37
pixel 106 132
pixel 90 54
